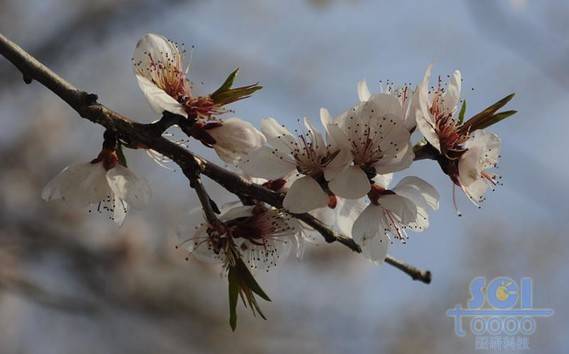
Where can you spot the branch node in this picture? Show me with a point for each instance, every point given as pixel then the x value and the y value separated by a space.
pixel 91 98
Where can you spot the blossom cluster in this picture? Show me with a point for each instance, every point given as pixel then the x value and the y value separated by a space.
pixel 340 170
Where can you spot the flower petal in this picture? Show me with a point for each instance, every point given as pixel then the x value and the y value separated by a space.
pixel 278 136
pixel 363 91
pixel 452 94
pixel 402 208
pixel 153 49
pixel 235 138
pixel 351 183
pixel 368 232
pixel 425 121
pixel 419 191
pixel 267 163
pixel 304 195
pixel 490 144
pixel 79 185
pixel 129 187
pixel 159 100
pixel 469 167
pixel 347 212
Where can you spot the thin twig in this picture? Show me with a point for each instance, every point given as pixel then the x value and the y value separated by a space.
pixel 414 272
pixel 148 136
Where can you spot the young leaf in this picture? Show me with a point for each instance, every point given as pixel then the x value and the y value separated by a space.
pixel 120 155
pixel 248 279
pixel 231 95
pixel 486 117
pixel 226 84
pixel 495 119
pixel 462 112
pixel 234 287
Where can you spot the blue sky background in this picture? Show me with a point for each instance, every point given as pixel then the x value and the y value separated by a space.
pixel 309 55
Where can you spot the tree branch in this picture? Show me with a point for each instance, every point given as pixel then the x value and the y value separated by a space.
pixel 148 136
pixel 414 272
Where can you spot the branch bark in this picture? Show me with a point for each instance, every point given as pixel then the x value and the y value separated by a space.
pixel 149 136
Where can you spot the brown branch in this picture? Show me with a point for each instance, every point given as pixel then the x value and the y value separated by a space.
pixel 414 272
pixel 149 136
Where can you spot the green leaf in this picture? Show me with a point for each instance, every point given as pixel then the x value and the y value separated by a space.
pixel 495 119
pixel 462 112
pixel 231 95
pixel 486 117
pixel 234 287
pixel 225 94
pixel 120 154
pixel 248 279
pixel 227 83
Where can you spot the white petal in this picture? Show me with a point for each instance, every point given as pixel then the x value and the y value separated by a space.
pixel 278 136
pixel 304 195
pixel 337 138
pixel 188 225
pixel 65 184
pixel 452 95
pixel 386 105
pixel 337 165
pixel 351 183
pixel 490 145
pixel 234 211
pixel 419 191
pixel 154 48
pixel 410 111
pixel 426 126
pixel 325 117
pixel 159 100
pixel 383 180
pixel 315 136
pixel 376 249
pixel 425 121
pixel 368 232
pixel 422 221
pixel 366 226
pixel 395 161
pixel 79 185
pixel 402 208
pixel 469 167
pixel 363 91
pixel 129 187
pixel 347 212
pixel 118 210
pixel 235 138
pixel 476 190
pixel 265 162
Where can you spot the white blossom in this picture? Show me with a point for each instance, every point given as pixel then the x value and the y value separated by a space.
pixel 436 113
pixel 103 185
pixel 263 236
pixel 405 94
pixel 235 138
pixel 307 158
pixel 482 152
pixel 158 65
pixel 378 140
pixel 390 213
pixel 465 154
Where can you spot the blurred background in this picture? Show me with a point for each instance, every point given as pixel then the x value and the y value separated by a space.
pixel 75 284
